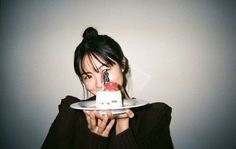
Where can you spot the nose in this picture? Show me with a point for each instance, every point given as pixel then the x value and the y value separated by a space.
pixel 98 80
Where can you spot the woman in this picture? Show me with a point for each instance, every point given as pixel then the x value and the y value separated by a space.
pixel 145 127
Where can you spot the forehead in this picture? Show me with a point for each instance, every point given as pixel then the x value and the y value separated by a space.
pixel 90 63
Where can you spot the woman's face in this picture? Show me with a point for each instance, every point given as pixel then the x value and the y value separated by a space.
pixel 92 78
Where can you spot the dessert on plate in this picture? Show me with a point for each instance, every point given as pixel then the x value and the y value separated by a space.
pixel 110 95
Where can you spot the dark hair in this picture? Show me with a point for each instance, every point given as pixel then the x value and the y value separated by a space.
pixel 99 46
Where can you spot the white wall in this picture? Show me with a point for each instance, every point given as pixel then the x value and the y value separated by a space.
pixel 181 53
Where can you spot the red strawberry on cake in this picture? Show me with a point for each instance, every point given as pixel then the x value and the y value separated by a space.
pixel 110 96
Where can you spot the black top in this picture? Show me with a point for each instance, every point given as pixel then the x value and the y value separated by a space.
pixel 149 129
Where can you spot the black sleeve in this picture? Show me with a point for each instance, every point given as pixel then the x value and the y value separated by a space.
pixel 150 127
pixel 62 135
pixel 161 137
pixel 125 140
pixel 149 130
pixel 60 132
pixel 97 142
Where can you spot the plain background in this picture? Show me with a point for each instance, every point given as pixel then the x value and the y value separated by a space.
pixel 181 53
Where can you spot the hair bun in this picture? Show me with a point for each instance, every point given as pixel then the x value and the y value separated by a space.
pixel 90 32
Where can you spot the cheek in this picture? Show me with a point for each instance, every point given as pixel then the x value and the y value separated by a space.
pixel 117 77
pixel 89 86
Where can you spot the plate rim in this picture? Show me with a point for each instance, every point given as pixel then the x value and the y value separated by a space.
pixel 138 103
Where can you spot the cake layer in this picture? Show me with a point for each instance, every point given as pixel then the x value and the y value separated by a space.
pixel 108 99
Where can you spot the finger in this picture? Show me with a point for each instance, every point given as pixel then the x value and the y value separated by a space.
pixel 93 120
pixel 129 113
pixel 87 118
pixel 109 114
pixel 121 116
pixel 103 122
pixel 98 129
pixel 99 115
pixel 108 128
pixel 99 121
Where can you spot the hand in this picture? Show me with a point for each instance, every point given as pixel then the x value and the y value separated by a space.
pixel 122 120
pixel 97 123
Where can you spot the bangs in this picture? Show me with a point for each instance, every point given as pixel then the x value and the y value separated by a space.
pixel 100 48
pixel 104 60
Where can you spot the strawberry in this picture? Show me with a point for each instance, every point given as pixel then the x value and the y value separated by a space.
pixel 111 86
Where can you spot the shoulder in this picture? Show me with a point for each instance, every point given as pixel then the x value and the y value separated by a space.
pixel 151 119
pixel 152 115
pixel 157 109
pixel 64 106
pixel 160 111
pixel 68 100
pixel 161 108
pixel 66 113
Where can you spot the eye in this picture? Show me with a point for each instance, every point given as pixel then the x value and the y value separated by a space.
pixel 105 69
pixel 86 77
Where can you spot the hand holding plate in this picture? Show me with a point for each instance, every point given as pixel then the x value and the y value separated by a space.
pixel 99 124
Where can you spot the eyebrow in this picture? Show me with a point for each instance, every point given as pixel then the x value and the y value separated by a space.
pixel 86 73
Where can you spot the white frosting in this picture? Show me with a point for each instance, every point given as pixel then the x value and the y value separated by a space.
pixel 108 99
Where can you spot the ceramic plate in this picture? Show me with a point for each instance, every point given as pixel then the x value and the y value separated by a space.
pixel 90 105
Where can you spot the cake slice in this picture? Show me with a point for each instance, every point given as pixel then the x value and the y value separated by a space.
pixel 110 97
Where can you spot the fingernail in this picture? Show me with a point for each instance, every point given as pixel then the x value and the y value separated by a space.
pixel 132 115
pixel 87 112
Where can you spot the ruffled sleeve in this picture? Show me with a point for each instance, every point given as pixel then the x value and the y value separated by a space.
pixel 124 140
pixel 69 130
pixel 149 129
pixel 152 127
pixel 61 132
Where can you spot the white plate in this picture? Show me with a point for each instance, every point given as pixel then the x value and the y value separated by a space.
pixel 91 105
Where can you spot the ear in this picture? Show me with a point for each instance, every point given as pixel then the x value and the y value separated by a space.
pixel 124 62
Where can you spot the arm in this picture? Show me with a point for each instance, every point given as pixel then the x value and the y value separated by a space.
pixel 99 127
pixel 60 132
pixel 69 130
pixel 149 129
pixel 125 140
pixel 160 137
pixel 124 137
